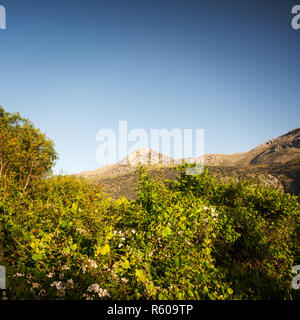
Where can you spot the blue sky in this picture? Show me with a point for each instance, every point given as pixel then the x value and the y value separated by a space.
pixel 74 67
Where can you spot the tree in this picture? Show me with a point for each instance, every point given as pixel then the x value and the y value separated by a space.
pixel 26 154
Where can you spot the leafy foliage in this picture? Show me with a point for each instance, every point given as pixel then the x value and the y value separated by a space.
pixel 26 155
pixel 176 241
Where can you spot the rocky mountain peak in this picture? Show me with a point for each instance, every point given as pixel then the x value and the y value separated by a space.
pixel 146 156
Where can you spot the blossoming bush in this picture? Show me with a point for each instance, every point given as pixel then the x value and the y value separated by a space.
pixel 178 240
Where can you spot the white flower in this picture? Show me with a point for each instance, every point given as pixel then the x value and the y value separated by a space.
pixel 87 297
pixel 133 231
pixel 124 280
pixel 19 275
pixel 212 212
pixel 92 263
pixel 70 284
pixel 84 268
pixel 65 267
pixel 42 292
pixel 58 284
pixel 93 288
pixel 50 275
pixel 35 285
pixel 120 245
pixel 103 293
pixel 96 289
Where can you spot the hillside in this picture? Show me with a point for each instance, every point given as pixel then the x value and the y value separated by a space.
pixel 286 177
pixel 275 163
pixel 128 165
pixel 282 149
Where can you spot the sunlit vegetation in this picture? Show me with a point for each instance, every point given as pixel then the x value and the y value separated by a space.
pixel 193 237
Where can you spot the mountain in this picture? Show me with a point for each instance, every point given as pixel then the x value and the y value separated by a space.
pixel 279 150
pixel 144 156
pixel 275 163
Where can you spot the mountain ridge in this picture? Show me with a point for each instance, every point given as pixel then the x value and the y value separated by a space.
pixel 275 162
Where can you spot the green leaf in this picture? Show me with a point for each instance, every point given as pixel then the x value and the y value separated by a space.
pixel 104 250
pixel 74 208
pixel 166 231
pixel 27 236
pixel 125 264
pixel 66 250
pixel 73 246
pixel 109 235
pixel 36 256
pixel 141 275
pixel 230 291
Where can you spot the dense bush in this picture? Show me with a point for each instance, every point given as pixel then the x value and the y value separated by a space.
pixel 176 241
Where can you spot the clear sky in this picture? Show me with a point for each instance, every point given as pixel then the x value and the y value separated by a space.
pixel 74 67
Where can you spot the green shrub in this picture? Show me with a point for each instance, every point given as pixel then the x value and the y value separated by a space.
pixel 66 240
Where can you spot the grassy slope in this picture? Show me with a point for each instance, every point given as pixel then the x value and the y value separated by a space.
pixel 284 176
